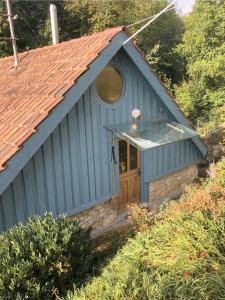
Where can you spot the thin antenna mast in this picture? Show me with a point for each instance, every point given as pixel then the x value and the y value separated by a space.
pixel 151 20
pixel 12 32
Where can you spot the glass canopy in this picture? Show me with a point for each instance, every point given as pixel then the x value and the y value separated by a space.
pixel 149 134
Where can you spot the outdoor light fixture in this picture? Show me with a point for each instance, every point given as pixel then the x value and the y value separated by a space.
pixel 136 114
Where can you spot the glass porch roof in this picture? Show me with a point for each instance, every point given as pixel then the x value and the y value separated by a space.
pixel 149 134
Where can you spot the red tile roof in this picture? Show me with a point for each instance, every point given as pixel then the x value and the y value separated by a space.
pixel 29 92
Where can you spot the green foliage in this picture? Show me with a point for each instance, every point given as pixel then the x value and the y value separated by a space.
pixel 203 47
pixel 44 258
pixel 181 255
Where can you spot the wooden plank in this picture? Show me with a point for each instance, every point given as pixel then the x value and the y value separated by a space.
pixel 58 163
pixel 95 128
pixel 50 174
pixel 20 198
pixel 30 188
pixel 83 151
pixel 90 141
pixel 66 164
pixel 2 217
pixel 40 181
pixel 9 207
pixel 73 136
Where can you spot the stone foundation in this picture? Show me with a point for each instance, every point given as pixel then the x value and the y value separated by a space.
pixel 171 186
pixel 101 215
pixel 106 213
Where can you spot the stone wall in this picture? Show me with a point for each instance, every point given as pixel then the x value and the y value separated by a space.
pixel 172 185
pixel 106 213
pixel 101 215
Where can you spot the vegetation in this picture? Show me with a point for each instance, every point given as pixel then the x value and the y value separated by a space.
pixel 44 258
pixel 178 253
pixel 203 46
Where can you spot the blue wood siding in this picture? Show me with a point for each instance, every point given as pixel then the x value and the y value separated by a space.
pixel 72 170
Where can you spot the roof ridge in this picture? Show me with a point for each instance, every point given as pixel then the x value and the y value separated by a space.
pixel 116 29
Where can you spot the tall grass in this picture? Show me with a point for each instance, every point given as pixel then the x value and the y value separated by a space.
pixel 179 254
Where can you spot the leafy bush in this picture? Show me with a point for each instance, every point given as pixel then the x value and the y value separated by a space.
pixel 179 255
pixel 42 259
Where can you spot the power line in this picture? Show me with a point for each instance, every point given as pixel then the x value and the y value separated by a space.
pixel 150 21
pixel 31 29
pixel 146 19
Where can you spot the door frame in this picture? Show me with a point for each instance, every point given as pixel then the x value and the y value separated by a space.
pixel 134 172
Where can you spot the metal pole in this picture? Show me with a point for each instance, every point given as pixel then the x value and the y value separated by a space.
pixel 54 24
pixel 12 32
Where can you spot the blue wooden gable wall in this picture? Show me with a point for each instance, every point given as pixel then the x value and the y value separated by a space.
pixel 72 170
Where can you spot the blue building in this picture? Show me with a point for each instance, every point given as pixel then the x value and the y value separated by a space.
pixel 87 128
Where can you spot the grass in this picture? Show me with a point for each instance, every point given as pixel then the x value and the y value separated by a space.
pixel 178 253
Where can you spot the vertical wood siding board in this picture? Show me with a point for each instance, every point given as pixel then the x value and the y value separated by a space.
pixel 2 217
pixel 74 156
pixel 109 136
pixel 79 162
pixel 126 96
pixel 117 166
pixel 180 152
pixel 142 96
pixel 100 141
pixel 131 95
pixel 40 181
pixel 162 159
pixel 173 155
pixel 83 151
pixel 19 195
pixel 25 205
pixel 66 159
pixel 9 207
pixel 105 157
pixel 50 175
pixel 145 101
pixel 29 183
pixel 109 161
pixel 94 116
pixel 169 157
pixel 57 154
pixel 154 161
pixel 90 141
pixel 194 151
pixel 165 159
pixel 35 189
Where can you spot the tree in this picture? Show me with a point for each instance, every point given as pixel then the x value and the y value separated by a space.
pixel 203 47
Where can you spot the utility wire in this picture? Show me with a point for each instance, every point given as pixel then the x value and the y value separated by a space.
pixel 31 29
pixel 150 21
pixel 146 19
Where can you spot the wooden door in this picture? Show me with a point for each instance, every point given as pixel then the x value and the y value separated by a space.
pixel 129 167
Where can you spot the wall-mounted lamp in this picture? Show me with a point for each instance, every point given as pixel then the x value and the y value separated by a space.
pixel 136 114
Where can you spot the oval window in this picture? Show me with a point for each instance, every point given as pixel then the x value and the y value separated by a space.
pixel 109 85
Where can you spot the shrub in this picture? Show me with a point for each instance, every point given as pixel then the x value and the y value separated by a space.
pixel 44 258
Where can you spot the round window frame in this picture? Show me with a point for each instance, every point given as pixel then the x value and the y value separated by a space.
pixel 122 74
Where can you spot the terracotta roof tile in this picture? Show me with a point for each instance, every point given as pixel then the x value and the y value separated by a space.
pixel 29 92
